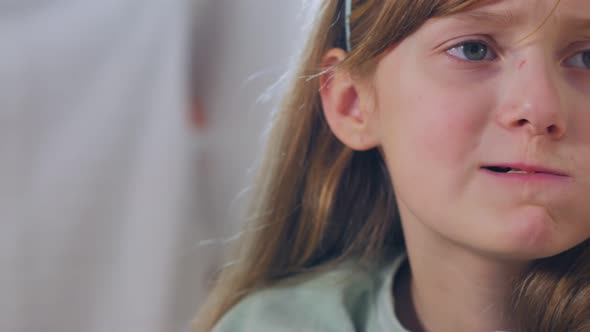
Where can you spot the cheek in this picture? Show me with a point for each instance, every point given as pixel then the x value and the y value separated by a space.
pixel 433 124
pixel 579 131
pixel 435 111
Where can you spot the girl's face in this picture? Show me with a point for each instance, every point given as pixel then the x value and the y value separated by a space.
pixel 484 120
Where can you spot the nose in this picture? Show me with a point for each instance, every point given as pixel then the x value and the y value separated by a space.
pixel 533 102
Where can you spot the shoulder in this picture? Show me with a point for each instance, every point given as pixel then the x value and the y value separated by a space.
pixel 337 299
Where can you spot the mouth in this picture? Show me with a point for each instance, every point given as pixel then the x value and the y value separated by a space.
pixel 523 169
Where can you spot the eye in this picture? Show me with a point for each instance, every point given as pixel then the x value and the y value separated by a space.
pixel 579 60
pixel 472 51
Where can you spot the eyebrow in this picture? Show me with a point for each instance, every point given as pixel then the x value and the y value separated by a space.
pixel 507 18
pixel 504 18
pixel 579 22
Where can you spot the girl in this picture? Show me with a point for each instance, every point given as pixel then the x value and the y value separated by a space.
pixel 429 172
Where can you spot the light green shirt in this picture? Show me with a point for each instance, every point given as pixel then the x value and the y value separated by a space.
pixel 348 298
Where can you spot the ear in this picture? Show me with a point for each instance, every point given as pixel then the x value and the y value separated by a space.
pixel 347 104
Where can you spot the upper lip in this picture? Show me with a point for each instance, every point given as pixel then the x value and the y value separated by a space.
pixel 529 168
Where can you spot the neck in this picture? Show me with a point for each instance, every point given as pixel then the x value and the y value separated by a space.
pixel 448 288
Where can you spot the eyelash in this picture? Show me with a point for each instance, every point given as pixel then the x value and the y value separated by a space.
pixel 460 48
pixel 570 61
pixel 580 55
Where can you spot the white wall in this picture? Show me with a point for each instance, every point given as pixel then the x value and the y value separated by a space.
pixel 107 201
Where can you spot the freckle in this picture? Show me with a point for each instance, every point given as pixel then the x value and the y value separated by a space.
pixel 522 63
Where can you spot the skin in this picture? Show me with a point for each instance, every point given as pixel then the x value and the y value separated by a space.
pixel 439 117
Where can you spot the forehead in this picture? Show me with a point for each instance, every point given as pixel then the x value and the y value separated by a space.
pixel 520 12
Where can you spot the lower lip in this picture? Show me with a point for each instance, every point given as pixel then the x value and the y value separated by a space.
pixel 520 178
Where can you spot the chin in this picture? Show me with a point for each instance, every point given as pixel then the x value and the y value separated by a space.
pixel 534 234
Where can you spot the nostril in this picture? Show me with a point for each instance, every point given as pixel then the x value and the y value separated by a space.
pixel 538 127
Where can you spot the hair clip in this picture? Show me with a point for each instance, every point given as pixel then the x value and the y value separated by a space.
pixel 347 13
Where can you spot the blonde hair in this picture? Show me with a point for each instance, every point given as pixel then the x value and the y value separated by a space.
pixel 319 202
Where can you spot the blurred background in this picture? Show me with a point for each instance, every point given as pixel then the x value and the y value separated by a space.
pixel 128 131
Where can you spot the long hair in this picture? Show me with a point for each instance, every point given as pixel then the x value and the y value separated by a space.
pixel 318 202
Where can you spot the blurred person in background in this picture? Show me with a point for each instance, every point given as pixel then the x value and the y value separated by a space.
pixel 111 203
pixel 97 167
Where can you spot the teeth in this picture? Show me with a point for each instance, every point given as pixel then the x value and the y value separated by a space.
pixel 519 171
